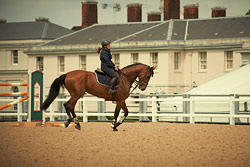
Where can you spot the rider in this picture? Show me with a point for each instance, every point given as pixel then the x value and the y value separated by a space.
pixel 107 65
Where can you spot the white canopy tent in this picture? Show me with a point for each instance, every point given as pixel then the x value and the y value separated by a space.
pixel 235 82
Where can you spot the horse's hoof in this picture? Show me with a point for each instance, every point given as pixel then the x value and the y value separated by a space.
pixel 78 126
pixel 66 124
pixel 115 129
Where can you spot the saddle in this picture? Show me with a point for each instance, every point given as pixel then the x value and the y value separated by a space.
pixel 103 79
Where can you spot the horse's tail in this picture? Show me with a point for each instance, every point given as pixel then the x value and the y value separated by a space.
pixel 54 91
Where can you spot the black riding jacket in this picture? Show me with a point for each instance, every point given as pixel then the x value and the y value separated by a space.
pixel 105 58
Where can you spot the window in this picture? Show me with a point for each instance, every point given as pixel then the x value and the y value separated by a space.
pixel 39 63
pixel 154 59
pixel 116 58
pixel 229 60
pixel 134 58
pixel 61 63
pixel 245 58
pixel 14 57
pixel 83 62
pixel 203 61
pixel 177 61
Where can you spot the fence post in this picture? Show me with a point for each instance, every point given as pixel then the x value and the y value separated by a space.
pixel 51 112
pixel 85 110
pixel 232 110
pixel 101 107
pixel 186 107
pixel 25 107
pixel 61 108
pixel 154 109
pixel 19 110
pixel 237 107
pixel 192 110
pixel 142 108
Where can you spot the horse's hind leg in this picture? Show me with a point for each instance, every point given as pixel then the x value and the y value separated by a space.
pixel 71 104
pixel 69 120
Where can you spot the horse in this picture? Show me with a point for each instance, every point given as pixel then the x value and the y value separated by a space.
pixel 78 82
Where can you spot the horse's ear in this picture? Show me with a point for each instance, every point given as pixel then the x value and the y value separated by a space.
pixel 153 68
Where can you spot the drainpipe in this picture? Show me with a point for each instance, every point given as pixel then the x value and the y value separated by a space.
pixel 191 69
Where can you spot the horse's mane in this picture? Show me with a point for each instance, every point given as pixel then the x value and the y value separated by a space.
pixel 131 65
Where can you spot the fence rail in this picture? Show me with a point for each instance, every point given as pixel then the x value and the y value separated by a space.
pixel 190 106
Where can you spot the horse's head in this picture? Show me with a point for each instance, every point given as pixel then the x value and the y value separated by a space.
pixel 144 77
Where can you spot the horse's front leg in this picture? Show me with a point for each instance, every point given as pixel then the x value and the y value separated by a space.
pixel 116 114
pixel 125 109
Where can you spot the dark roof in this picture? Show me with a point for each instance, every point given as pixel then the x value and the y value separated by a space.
pixel 158 32
pixel 179 28
pixel 192 29
pixel 97 33
pixel 219 28
pixel 31 30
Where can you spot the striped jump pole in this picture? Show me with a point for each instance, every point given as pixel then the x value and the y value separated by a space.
pixel 14 84
pixel 14 102
pixel 62 125
pixel 14 94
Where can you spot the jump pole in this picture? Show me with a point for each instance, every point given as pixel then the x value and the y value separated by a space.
pixel 14 84
pixel 14 102
pixel 14 94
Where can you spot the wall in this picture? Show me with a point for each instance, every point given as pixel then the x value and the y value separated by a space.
pixel 6 60
pixel 165 77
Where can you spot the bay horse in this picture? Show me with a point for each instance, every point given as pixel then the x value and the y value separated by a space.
pixel 79 82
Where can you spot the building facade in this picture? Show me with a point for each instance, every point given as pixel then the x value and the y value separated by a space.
pixel 15 39
pixel 187 53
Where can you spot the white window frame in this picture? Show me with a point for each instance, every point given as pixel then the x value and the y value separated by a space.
pixel 228 60
pixel 134 58
pixel 202 61
pixel 177 61
pixel 154 59
pixel 61 64
pixel 116 58
pixel 14 57
pixel 83 62
pixel 39 63
pixel 245 58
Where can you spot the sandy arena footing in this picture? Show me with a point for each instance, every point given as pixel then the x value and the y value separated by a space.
pixel 134 145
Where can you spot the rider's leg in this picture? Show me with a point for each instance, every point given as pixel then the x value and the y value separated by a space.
pixel 111 72
pixel 112 86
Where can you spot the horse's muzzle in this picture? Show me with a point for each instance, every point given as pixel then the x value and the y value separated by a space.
pixel 142 87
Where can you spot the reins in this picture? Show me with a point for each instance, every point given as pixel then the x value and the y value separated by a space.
pixel 137 83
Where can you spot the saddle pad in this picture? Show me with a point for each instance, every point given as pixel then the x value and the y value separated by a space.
pixel 102 79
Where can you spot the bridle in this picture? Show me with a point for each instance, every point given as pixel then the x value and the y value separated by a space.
pixel 137 82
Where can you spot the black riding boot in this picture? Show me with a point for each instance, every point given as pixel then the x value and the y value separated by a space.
pixel 112 86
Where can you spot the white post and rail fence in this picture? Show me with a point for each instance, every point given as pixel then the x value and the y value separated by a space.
pixel 187 108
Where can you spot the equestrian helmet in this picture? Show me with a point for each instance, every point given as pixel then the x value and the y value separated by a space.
pixel 105 43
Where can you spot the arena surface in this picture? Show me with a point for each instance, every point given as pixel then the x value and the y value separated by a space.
pixel 134 145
